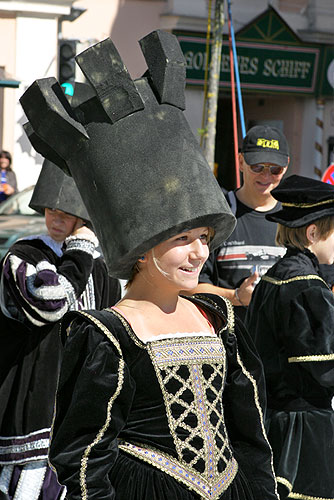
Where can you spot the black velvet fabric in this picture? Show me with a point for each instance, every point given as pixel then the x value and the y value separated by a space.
pixel 30 355
pixel 108 381
pixel 304 200
pixel 291 323
pixel 133 479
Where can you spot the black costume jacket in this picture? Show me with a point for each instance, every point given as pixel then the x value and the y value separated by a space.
pixel 173 418
pixel 291 319
pixel 39 283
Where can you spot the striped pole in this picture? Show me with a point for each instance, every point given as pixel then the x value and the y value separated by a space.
pixel 236 69
pixel 234 109
pixel 319 129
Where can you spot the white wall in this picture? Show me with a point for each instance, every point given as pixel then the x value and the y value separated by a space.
pixel 36 46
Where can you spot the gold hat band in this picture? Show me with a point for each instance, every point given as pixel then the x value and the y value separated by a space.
pixel 307 205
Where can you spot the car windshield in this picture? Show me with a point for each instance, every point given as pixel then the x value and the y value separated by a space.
pixel 18 204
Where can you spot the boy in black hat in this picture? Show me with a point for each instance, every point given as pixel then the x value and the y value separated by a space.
pixel 42 277
pixel 233 269
pixel 291 318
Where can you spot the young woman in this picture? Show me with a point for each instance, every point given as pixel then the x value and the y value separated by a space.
pixel 42 277
pixel 291 319
pixel 161 397
pixel 8 183
pixel 158 396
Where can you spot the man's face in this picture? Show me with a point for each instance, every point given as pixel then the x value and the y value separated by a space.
pixel 263 182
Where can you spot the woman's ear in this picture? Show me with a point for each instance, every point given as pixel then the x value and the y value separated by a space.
pixel 312 233
pixel 241 162
pixel 142 259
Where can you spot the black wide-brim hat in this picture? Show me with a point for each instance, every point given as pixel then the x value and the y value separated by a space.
pixel 56 190
pixel 138 166
pixel 304 200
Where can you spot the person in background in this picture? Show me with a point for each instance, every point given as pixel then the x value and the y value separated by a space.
pixel 290 318
pixel 42 277
pixel 234 268
pixel 8 184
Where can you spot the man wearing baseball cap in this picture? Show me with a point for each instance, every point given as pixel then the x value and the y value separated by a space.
pixel 233 269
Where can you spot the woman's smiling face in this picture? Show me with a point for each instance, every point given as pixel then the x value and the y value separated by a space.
pixel 180 259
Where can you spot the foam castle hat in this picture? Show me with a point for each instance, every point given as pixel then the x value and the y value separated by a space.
pixel 304 201
pixel 54 189
pixel 130 150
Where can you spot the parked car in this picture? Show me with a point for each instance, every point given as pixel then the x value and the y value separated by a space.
pixel 18 220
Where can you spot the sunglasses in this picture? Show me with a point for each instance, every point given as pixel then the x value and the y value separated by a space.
pixel 274 169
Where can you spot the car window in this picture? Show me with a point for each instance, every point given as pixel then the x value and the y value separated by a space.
pixel 18 204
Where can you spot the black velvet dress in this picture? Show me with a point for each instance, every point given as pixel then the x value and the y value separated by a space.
pixel 178 417
pixel 291 319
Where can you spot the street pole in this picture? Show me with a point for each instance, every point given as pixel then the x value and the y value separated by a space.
pixel 213 85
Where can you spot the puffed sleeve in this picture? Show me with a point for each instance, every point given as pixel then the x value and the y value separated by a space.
pixel 93 400
pixel 244 403
pixel 40 290
pixel 308 336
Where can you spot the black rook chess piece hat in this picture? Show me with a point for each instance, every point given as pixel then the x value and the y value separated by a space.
pixel 304 201
pixel 130 150
pixel 58 191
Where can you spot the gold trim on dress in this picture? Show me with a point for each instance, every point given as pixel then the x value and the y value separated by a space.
pixel 201 417
pixel 192 479
pixel 308 205
pixel 298 496
pixel 285 482
pixel 275 281
pixel 312 357
pixel 127 327
pixel 99 435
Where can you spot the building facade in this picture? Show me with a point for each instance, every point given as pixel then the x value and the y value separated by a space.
pixel 285 57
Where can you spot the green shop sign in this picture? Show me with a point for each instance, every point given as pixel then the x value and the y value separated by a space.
pixel 271 58
pixel 261 66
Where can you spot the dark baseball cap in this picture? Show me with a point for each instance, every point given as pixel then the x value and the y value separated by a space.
pixel 264 144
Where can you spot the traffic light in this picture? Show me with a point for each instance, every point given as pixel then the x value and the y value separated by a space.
pixel 66 62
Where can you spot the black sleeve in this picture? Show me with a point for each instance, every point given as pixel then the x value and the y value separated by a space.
pixel 309 336
pixel 42 287
pixel 93 400
pixel 244 405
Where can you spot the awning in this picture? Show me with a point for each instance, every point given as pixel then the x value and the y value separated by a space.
pixel 6 80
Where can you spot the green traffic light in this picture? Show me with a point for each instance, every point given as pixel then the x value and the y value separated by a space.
pixel 68 88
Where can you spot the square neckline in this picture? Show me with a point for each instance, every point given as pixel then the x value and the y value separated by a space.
pixel 167 336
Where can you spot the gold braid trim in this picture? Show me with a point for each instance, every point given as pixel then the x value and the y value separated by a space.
pixel 259 409
pixel 180 472
pixel 298 496
pixel 128 327
pixel 313 357
pixel 230 315
pixel 308 205
pixel 275 281
pixel 230 327
pixel 85 456
pixel 285 482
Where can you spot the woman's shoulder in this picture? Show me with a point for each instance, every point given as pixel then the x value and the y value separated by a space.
pixel 105 324
pixel 219 309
